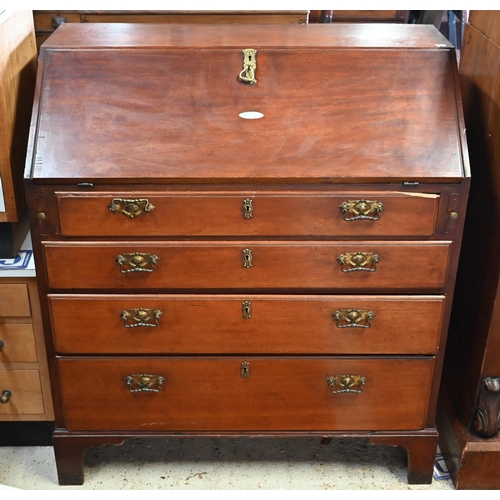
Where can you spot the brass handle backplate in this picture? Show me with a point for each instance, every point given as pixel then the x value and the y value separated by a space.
pixel 358 261
pixel 353 318
pixel 130 208
pixel 361 210
pixel 137 262
pixel 247 74
pixel 144 383
pixel 346 383
pixel 5 397
pixel 133 318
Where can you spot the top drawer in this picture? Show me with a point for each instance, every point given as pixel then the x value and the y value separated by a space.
pixel 284 213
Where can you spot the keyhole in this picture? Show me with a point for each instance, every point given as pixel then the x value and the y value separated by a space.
pixel 245 369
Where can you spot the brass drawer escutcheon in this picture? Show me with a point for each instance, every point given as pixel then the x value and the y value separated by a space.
pixel 247 208
pixel 361 210
pixel 247 257
pixel 358 261
pixel 144 383
pixel 130 208
pixel 133 318
pixel 246 308
pixel 247 74
pixel 5 397
pixel 137 262
pixel 353 318
pixel 245 369
pixel 346 383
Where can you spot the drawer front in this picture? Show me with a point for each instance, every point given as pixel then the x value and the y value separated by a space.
pixel 243 265
pixel 248 214
pixel 200 324
pixel 18 343
pixel 26 392
pixel 14 300
pixel 277 394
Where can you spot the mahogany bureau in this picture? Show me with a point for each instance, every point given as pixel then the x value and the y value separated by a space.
pixel 246 231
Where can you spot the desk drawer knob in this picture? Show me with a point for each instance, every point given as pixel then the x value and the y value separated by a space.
pixel 358 261
pixel 346 383
pixel 137 262
pixel 133 318
pixel 361 210
pixel 5 397
pixel 144 383
pixel 130 208
pixel 353 318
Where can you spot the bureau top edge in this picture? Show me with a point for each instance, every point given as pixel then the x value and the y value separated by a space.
pixel 359 36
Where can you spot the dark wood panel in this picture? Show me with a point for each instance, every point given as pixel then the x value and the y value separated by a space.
pixel 292 265
pixel 279 394
pixel 273 324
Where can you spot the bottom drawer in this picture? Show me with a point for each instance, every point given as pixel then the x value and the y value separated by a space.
pixel 245 393
pixel 25 392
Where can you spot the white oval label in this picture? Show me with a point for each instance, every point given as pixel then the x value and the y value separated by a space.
pixel 250 115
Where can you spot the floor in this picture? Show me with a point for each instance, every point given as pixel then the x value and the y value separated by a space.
pixel 220 464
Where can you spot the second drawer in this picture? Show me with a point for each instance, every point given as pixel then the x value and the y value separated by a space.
pixel 115 324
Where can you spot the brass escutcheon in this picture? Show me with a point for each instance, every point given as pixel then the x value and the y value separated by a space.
pixel 247 257
pixel 133 318
pixel 245 369
pixel 353 318
pixel 247 74
pixel 247 208
pixel 361 210
pixel 137 262
pixel 346 383
pixel 246 308
pixel 358 261
pixel 130 208
pixel 144 383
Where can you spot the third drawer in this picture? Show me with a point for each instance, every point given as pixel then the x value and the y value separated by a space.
pixel 149 324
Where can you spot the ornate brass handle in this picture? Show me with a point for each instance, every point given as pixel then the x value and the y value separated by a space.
pixel 361 210
pixel 346 383
pixel 144 383
pixel 353 318
pixel 358 261
pixel 137 262
pixel 133 318
pixel 247 257
pixel 130 208
pixel 247 74
pixel 5 397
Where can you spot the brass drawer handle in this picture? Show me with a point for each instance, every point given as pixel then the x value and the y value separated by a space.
pixel 358 261
pixel 361 210
pixel 5 397
pixel 130 208
pixel 247 257
pixel 353 318
pixel 247 74
pixel 247 208
pixel 133 318
pixel 137 262
pixel 144 383
pixel 346 383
